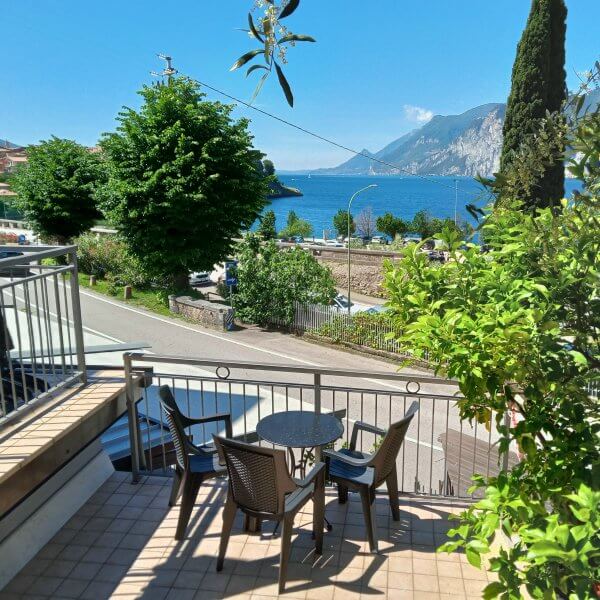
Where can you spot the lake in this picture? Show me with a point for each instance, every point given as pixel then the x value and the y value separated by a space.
pixel 403 196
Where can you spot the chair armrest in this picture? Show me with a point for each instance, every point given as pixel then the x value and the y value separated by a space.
pixel 349 460
pixel 317 469
pixel 360 425
pixel 226 417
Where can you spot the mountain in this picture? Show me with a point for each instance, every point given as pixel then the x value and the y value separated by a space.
pixel 6 145
pixel 465 144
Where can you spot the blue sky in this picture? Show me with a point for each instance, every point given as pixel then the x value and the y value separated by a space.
pixel 378 70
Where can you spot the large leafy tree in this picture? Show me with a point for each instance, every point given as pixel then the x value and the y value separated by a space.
pixel 295 226
pixel 340 223
pixel 271 280
pixel 519 328
pixel 391 225
pixel 56 188
pixel 182 181
pixel 538 87
pixel 266 227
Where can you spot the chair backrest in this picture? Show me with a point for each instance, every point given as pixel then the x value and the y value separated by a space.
pixel 258 477
pixel 385 457
pixel 173 417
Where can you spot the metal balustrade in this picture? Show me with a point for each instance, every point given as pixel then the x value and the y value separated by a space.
pixel 440 454
pixel 41 337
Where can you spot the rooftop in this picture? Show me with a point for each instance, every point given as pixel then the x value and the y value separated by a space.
pixel 120 544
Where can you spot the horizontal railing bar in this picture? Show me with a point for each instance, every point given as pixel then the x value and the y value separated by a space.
pixel 257 366
pixel 294 385
pixel 36 252
pixel 30 278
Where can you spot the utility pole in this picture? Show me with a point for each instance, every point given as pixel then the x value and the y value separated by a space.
pixel 169 69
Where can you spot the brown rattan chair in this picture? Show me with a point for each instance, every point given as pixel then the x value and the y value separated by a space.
pixel 364 473
pixel 193 464
pixel 261 487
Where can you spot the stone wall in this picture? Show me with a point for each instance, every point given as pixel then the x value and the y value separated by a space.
pixel 204 313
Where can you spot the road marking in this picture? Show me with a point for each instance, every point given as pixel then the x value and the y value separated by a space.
pixel 227 339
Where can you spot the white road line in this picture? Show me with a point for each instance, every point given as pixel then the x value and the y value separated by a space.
pixel 226 339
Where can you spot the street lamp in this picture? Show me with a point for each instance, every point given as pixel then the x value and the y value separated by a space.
pixel 373 185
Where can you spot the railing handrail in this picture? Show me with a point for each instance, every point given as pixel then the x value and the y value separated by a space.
pixel 33 253
pixel 308 370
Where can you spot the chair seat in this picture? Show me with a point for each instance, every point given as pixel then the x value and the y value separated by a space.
pixel 341 470
pixel 205 463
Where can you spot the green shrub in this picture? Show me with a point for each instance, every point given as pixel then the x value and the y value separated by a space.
pixel 101 256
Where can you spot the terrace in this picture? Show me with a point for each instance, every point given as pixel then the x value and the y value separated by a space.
pixel 71 526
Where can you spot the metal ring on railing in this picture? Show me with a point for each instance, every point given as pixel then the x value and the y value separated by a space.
pixel 217 372
pixel 413 391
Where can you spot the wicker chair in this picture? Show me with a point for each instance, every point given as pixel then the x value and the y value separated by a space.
pixel 193 464
pixel 364 473
pixel 261 487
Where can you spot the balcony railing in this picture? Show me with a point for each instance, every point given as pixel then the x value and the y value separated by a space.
pixel 41 336
pixel 439 456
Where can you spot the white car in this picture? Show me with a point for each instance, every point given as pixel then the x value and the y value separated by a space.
pixel 340 302
pixel 334 244
pixel 199 278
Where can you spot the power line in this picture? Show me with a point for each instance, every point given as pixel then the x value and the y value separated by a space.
pixel 332 142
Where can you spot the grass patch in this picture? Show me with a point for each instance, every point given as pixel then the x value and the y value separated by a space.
pixel 155 300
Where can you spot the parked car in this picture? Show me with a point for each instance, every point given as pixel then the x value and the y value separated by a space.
pixel 340 302
pixel 14 270
pixel 297 239
pixel 377 309
pixel 379 239
pixel 199 278
pixel 334 244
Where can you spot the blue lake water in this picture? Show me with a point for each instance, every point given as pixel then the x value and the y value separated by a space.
pixel 402 196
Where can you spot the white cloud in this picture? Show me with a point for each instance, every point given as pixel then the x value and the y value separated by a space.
pixel 417 114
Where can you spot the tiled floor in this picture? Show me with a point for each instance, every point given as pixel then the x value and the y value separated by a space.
pixel 121 545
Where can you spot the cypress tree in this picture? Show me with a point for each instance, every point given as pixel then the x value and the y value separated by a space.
pixel 538 85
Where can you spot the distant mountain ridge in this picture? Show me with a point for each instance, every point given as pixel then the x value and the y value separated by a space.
pixel 468 144
pixel 6 145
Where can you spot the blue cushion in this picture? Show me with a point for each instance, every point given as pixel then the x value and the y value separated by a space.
pixel 342 470
pixel 205 463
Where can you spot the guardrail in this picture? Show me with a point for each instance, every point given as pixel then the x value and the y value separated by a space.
pixel 439 456
pixel 41 336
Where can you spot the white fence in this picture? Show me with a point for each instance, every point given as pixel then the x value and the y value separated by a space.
pixel 374 331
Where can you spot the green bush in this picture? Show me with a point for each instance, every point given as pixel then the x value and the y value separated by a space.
pixel 101 256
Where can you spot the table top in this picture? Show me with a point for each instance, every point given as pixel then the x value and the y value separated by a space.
pixel 300 429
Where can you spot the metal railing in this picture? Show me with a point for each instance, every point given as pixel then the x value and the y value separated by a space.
pixel 41 336
pixel 440 454
pixel 376 332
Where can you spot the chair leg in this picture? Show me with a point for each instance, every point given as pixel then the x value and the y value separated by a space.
pixel 228 519
pixel 392 486
pixel 286 543
pixel 319 514
pixel 342 494
pixel 368 503
pixel 191 485
pixel 175 489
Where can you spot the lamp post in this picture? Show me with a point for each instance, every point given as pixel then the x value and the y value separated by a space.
pixel 373 185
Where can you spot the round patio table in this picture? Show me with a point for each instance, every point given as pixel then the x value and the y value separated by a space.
pixel 299 429
pixel 303 430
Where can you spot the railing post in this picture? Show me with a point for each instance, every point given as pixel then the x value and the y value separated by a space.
pixel 76 307
pixel 507 425
pixel 132 423
pixel 317 390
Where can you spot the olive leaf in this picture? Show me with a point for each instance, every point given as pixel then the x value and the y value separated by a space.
pixel 242 60
pixel 294 37
pixel 289 8
pixel 253 28
pixel 285 86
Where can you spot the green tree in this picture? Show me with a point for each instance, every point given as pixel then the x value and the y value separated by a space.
pixel 266 228
pixel 422 224
pixel 296 226
pixel 519 328
pixel 56 189
pixel 270 281
pixel 340 223
pixel 391 225
pixel 182 181
pixel 538 87
pixel 269 167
